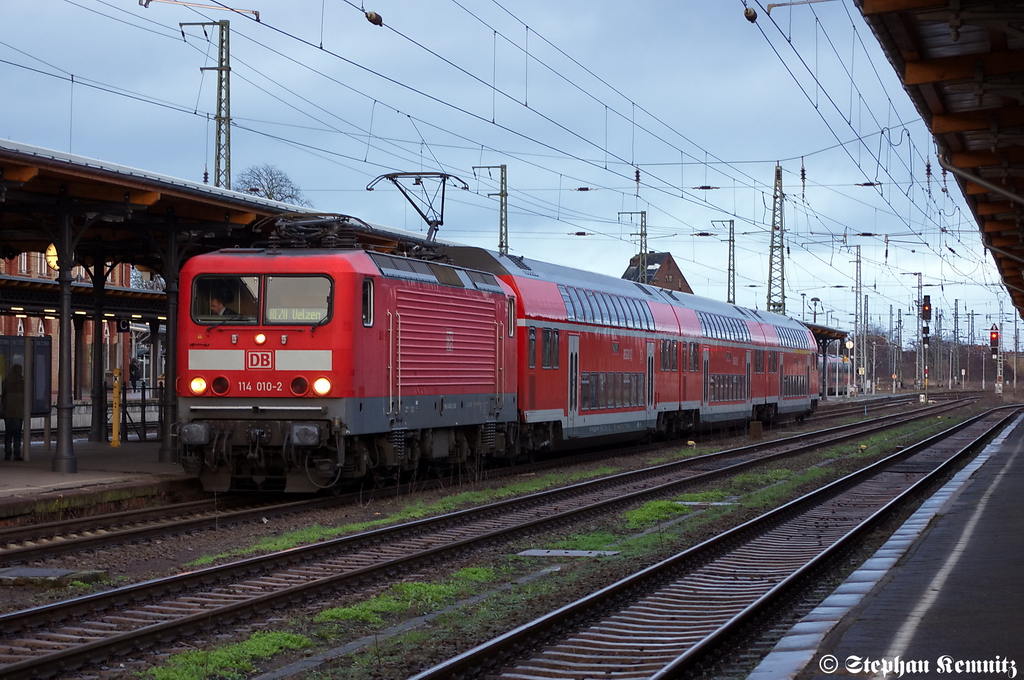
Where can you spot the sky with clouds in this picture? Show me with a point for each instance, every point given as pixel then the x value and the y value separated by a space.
pixel 572 95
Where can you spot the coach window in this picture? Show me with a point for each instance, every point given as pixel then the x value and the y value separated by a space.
pixel 616 313
pixel 631 313
pixel 602 304
pixel 511 317
pixel 532 348
pixel 645 308
pixel 694 356
pixel 584 391
pixel 580 299
pixel 620 309
pixel 675 355
pixel 545 348
pixel 570 311
pixel 583 312
pixel 297 300
pixel 606 300
pixel 367 302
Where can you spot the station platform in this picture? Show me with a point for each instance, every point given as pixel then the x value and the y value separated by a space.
pixel 108 478
pixel 943 597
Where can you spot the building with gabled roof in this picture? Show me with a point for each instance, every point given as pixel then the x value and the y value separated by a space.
pixel 662 271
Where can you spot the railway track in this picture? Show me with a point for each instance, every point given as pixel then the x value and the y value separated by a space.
pixel 39 541
pixel 54 639
pixel 840 407
pixel 19 545
pixel 666 620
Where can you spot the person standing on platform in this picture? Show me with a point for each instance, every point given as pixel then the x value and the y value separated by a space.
pixel 133 372
pixel 12 395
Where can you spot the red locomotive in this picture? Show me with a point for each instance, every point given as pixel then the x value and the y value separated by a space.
pixel 302 368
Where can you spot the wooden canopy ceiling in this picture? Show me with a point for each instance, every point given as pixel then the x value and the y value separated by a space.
pixel 962 62
pixel 121 214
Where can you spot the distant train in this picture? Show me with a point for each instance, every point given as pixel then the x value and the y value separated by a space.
pixel 304 368
pixel 838 374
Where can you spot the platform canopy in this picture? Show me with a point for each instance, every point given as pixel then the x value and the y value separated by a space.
pixel 81 211
pixel 962 62
pixel 825 333
pixel 123 214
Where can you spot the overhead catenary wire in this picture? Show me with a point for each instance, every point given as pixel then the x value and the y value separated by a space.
pixel 653 183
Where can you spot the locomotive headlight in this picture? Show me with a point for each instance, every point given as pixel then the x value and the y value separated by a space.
pixel 321 386
pixel 197 385
pixel 260 338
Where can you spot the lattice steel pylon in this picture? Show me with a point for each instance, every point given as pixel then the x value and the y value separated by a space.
pixel 642 273
pixel 502 205
pixel 222 145
pixel 731 292
pixel 222 155
pixel 777 252
pixel 954 370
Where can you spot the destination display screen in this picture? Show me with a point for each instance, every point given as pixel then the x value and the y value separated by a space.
pixel 297 299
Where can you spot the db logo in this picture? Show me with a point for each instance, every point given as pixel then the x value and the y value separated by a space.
pixel 259 360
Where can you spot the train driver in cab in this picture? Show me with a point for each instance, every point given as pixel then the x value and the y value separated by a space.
pixel 218 305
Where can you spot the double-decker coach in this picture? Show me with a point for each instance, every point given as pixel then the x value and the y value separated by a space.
pixel 606 357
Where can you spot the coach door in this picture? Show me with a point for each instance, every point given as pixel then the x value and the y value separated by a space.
pixel 747 390
pixel 807 380
pixel 650 380
pixel 782 376
pixel 705 377
pixel 574 379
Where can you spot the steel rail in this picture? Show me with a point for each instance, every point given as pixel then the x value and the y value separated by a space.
pixel 52 539
pixel 793 582
pixel 73 656
pixel 488 657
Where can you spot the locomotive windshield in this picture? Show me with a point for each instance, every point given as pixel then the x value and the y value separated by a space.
pixel 297 299
pixel 230 300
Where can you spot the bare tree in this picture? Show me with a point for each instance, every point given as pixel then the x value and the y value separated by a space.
pixel 270 182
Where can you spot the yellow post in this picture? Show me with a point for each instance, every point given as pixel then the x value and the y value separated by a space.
pixel 115 439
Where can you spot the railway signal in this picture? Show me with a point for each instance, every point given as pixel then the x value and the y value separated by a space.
pixel 926 308
pixel 993 341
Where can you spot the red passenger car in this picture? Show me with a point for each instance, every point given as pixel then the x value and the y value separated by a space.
pixel 606 357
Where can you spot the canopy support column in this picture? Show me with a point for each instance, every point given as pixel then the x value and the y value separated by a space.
pixel 64 459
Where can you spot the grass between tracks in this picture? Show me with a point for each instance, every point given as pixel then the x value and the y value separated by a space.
pixel 228 661
pixel 668 526
pixel 416 509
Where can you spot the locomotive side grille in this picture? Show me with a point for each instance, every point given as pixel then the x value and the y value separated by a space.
pixel 447 341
